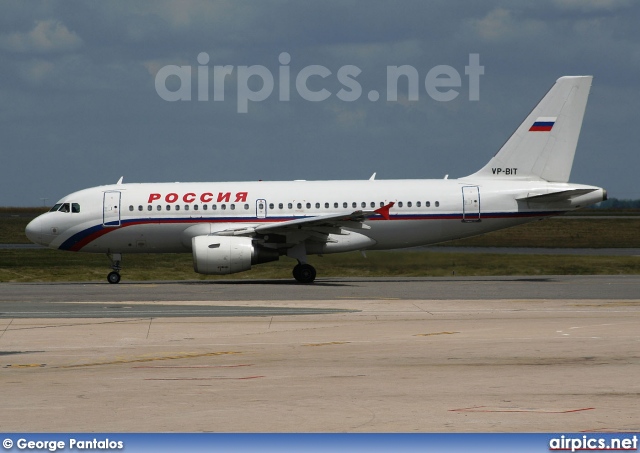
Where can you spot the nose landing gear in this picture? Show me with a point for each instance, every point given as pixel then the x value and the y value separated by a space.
pixel 116 259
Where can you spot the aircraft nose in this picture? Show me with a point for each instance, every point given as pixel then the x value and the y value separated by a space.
pixel 34 231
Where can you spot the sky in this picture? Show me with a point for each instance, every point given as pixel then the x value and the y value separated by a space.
pixel 84 88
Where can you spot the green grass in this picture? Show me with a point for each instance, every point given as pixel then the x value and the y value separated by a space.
pixel 562 232
pixel 50 265
pixel 32 265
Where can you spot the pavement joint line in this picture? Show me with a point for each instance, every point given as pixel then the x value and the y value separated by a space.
pixel 150 359
pixel 330 343
pixel 518 409
pixel 435 333
pixel 6 327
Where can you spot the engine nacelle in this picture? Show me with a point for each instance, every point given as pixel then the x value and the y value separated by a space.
pixel 221 255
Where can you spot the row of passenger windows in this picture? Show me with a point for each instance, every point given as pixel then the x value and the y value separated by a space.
pixel 246 207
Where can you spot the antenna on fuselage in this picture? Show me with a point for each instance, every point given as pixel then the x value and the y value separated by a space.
pixel 373 176
pixel 120 180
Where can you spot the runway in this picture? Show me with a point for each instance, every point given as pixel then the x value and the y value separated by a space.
pixel 53 299
pixel 502 354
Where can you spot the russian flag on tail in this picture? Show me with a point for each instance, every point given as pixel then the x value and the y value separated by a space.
pixel 543 124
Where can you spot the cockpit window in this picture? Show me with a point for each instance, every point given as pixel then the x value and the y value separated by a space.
pixel 66 207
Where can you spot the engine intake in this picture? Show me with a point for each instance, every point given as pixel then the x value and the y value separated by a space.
pixel 221 255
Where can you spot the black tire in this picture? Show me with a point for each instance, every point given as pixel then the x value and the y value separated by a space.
pixel 304 273
pixel 296 271
pixel 113 277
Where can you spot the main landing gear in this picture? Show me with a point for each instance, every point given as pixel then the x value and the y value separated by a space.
pixel 114 276
pixel 304 273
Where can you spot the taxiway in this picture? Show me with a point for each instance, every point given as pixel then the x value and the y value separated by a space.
pixel 343 355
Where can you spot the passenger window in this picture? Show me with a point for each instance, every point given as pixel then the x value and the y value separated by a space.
pixel 326 205
pixel 223 206
pixel 408 204
pixel 363 204
pixel 177 207
pixel 232 206
pixel 428 204
pixel 75 207
pixel 437 204
pixel 308 205
pixel 246 207
pixel 335 205
pixel 299 205
pixel 159 208
pixel 168 207
pixel 290 205
pixel 149 208
pixel 418 204
pixel 195 207
pixel 280 206
pixel 317 205
pixel 270 205
pixel 354 204
pixel 130 207
pixel 214 207
pixel 205 207
pixel 139 207
pixel 373 205
pixel 186 207
pixel 399 204
pixel 345 205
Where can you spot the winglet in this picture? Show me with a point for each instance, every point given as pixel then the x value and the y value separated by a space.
pixel 384 211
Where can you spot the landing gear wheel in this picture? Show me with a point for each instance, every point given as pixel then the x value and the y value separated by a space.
pixel 304 273
pixel 116 259
pixel 113 277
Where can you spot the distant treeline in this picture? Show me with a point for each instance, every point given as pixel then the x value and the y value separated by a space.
pixel 614 203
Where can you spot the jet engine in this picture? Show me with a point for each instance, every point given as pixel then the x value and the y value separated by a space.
pixel 221 255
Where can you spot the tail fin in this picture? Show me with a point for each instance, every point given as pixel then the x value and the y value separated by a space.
pixel 545 143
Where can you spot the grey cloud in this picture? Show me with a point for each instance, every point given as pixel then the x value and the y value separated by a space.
pixel 45 37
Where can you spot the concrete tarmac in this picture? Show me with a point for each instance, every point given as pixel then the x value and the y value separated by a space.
pixel 383 355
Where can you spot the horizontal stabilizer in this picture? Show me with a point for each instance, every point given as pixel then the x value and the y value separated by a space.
pixel 564 195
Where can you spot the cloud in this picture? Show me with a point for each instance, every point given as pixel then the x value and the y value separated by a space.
pixel 36 71
pixel 47 36
pixel 502 25
pixel 592 5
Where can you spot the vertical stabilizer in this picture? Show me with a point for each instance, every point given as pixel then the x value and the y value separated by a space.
pixel 544 145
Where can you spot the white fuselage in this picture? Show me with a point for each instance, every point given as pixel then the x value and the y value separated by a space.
pixel 164 217
pixel 230 226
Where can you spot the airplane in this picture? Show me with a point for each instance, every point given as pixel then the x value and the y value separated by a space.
pixel 230 226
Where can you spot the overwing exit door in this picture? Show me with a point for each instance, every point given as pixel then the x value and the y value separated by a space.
pixel 261 208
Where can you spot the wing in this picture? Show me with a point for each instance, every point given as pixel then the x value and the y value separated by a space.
pixel 317 226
